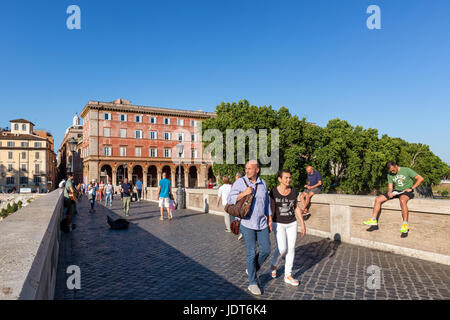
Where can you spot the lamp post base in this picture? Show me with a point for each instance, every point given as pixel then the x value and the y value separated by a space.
pixel 180 198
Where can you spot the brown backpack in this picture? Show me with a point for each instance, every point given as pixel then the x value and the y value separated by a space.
pixel 242 207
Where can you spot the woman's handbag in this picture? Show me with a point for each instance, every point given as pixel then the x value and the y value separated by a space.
pixel 242 207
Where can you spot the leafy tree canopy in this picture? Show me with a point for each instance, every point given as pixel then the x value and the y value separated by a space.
pixel 351 159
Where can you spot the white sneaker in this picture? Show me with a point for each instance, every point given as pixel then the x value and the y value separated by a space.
pixel 254 289
pixel 240 236
pixel 292 282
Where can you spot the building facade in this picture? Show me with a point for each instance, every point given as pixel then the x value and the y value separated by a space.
pixel 65 157
pixel 138 142
pixel 27 159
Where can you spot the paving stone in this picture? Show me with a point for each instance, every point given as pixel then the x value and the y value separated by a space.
pixel 191 257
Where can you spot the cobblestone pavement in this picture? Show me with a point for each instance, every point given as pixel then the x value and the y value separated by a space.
pixel 192 257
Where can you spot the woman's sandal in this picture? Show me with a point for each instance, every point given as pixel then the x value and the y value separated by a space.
pixel 274 273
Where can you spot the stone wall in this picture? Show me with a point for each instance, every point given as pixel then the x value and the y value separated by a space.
pixel 196 199
pixel 29 246
pixel 429 222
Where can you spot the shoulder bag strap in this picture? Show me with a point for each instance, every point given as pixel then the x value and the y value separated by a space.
pixel 256 188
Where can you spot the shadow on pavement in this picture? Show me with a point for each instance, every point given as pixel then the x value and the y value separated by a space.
pixel 132 264
pixel 184 216
pixel 308 255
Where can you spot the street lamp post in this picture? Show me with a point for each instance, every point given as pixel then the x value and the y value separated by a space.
pixel 180 191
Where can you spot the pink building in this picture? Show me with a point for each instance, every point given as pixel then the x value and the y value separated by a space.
pixel 123 140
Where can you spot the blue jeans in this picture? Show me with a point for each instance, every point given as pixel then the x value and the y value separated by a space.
pixel 255 260
pixel 92 201
pixel 108 197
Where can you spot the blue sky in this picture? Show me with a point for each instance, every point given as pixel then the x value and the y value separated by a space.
pixel 315 57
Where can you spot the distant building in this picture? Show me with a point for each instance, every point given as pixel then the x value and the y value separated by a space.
pixel 138 142
pixel 64 162
pixel 27 159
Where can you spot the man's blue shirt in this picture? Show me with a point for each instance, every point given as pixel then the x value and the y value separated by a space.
pixel 260 208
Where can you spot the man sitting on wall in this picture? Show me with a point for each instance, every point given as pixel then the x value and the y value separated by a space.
pixel 313 187
pixel 402 182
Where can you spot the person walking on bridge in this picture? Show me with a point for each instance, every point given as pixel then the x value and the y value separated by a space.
pixel 126 189
pixel 223 193
pixel 109 190
pixel 285 211
pixel 254 227
pixel 164 191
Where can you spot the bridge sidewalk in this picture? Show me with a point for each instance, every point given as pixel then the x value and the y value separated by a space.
pixel 191 257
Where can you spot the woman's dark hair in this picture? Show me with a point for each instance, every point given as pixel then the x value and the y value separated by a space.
pixel 280 173
pixel 390 164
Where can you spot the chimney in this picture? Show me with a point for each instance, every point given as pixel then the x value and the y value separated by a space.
pixel 121 101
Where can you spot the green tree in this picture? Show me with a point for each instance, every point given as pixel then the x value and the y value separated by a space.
pixel 243 116
pixel 350 159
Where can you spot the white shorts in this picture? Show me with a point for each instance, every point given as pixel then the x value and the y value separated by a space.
pixel 164 202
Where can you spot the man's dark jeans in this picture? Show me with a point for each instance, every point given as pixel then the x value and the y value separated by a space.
pixel 254 259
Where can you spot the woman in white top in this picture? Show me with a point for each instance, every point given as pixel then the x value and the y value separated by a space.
pixel 223 192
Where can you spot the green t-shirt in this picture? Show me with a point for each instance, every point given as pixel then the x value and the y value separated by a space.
pixel 404 179
pixel 69 184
